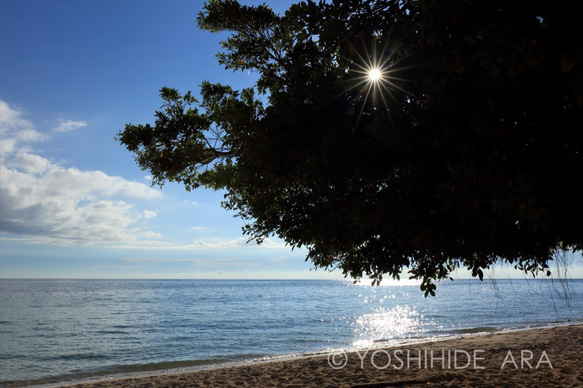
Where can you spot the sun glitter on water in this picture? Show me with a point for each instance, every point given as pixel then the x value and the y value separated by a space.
pixel 387 324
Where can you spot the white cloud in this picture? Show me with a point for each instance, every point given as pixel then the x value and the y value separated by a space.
pixel 240 242
pixel 31 163
pixel 219 243
pixel 15 130
pixel 223 263
pixel 157 260
pixel 7 146
pixel 68 206
pixel 151 235
pixel 237 244
pixel 69 125
pixel 11 119
pixel 47 203
pixel 149 214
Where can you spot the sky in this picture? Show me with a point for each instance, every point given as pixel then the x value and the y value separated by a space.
pixel 73 202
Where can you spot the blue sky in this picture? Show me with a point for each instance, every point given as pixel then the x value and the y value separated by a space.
pixel 73 203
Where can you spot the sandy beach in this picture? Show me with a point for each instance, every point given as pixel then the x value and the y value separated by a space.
pixel 545 357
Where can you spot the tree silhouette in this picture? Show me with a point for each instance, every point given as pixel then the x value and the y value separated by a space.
pixel 394 134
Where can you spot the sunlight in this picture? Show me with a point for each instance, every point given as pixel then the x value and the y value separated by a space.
pixel 388 324
pixel 374 74
pixel 374 77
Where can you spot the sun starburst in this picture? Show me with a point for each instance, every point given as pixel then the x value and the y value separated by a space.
pixel 374 76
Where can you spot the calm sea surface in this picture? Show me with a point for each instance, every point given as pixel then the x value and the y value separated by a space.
pixel 62 330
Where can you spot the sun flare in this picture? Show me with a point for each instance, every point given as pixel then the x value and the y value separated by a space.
pixel 375 74
pixel 375 79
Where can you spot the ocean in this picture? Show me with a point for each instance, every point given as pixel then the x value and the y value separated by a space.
pixel 66 330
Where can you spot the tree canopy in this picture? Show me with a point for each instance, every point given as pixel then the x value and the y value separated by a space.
pixel 463 148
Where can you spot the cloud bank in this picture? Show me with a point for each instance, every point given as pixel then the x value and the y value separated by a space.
pixel 44 202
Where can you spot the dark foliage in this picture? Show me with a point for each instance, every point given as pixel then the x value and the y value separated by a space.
pixel 468 150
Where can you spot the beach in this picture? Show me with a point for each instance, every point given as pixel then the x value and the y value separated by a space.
pixel 543 357
pixel 279 333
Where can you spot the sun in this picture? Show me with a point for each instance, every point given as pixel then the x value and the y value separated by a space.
pixel 375 78
pixel 375 74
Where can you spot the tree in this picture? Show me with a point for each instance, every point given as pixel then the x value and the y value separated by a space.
pixel 462 148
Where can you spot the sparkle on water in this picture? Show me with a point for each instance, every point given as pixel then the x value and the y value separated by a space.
pixel 387 324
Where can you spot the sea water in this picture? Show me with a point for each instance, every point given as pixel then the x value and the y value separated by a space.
pixel 64 330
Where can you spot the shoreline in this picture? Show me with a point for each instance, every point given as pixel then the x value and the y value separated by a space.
pixel 527 356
